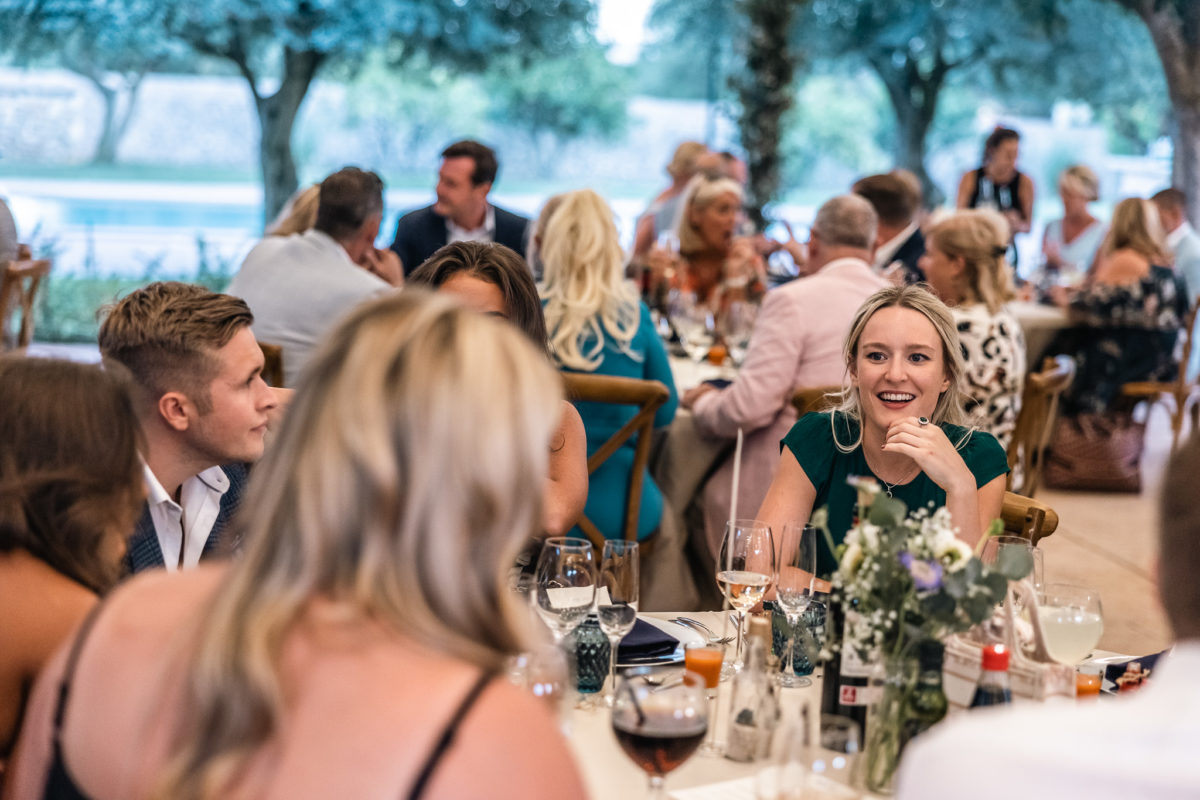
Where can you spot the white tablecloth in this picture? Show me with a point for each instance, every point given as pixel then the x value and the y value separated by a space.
pixel 1039 323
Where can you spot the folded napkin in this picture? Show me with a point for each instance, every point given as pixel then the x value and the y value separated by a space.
pixel 1114 670
pixel 645 641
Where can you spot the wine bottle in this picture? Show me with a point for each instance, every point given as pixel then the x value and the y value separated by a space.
pixel 927 704
pixel 844 687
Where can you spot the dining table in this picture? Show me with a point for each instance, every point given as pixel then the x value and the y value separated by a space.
pixel 609 773
pixel 1039 322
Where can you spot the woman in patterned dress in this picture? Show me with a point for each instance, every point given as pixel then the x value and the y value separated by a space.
pixel 964 263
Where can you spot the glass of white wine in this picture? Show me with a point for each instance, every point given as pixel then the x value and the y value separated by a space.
pixel 1072 621
pixel 745 569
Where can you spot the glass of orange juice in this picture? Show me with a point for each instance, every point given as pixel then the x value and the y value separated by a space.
pixel 705 659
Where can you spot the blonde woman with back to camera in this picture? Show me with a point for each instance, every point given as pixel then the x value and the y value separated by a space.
pixel 964 263
pixel 355 649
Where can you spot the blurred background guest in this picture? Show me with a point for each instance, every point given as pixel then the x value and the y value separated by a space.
pixel 358 649
pixel 997 184
pixel 1181 238
pixel 598 325
pixel 1069 245
pixel 714 264
pixel 299 214
pixel 533 255
pixel 8 234
pixel 70 491
pixel 899 243
pixel 1127 315
pixel 964 263
pixel 662 214
pixel 491 279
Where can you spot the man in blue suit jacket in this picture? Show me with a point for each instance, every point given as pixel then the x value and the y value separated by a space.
pixel 196 382
pixel 462 212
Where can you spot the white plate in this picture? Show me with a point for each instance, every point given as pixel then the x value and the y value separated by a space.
pixel 681 632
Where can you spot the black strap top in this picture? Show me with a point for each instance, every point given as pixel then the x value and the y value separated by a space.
pixel 61 786
pixel 1001 196
pixel 59 783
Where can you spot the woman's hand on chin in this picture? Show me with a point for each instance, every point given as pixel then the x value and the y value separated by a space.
pixel 933 451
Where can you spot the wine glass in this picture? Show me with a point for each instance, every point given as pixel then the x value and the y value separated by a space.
pixel 737 323
pixel 617 600
pixel 1072 621
pixel 745 569
pixel 659 724
pixel 693 321
pixel 786 777
pixel 566 584
pixel 794 589
pixel 831 766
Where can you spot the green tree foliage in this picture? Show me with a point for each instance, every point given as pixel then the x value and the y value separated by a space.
pixel 916 46
pixel 553 98
pixel 113 46
pixel 765 94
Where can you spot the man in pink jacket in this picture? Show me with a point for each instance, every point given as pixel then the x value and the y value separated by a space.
pixel 797 343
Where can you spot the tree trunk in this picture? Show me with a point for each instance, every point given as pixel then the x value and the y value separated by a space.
pixel 106 147
pixel 914 99
pixel 1175 30
pixel 276 118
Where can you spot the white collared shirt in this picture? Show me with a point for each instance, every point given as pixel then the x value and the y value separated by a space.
pixel 189 522
pixel 484 233
pixel 885 251
pixel 1176 236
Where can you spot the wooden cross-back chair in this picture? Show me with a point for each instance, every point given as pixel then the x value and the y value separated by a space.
pixel 1028 518
pixel 648 396
pixel 814 399
pixel 1180 395
pixel 1039 409
pixel 18 291
pixel 272 371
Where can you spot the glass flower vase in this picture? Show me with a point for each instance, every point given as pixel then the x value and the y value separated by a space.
pixel 892 682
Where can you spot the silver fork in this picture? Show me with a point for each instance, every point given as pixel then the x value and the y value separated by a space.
pixel 700 627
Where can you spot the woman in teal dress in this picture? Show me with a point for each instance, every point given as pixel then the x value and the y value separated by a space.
pixel 899 422
pixel 598 324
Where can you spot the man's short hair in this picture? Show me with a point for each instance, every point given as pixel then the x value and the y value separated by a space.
pixel 1172 198
pixel 1179 542
pixel 348 198
pixel 165 334
pixel 891 198
pixel 847 220
pixel 484 157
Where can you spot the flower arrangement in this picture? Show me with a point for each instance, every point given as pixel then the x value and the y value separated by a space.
pixel 904 577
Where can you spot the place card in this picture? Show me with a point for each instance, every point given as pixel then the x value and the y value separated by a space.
pixel 570 596
pixel 741 789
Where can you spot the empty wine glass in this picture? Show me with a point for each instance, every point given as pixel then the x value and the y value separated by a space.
pixel 1072 621
pixel 831 765
pixel 737 323
pixel 617 600
pixel 566 584
pixel 693 321
pixel 659 724
pixel 745 569
pixel 794 589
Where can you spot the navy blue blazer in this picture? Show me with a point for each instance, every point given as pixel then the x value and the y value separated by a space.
pixel 420 233
pixel 909 254
pixel 144 551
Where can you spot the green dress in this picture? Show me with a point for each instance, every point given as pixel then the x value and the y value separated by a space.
pixel 811 442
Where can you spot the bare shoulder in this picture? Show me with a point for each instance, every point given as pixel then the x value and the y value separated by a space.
pixel 570 424
pixel 39 607
pixel 509 745
pixel 1122 267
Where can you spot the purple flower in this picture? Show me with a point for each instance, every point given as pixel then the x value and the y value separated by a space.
pixel 926 575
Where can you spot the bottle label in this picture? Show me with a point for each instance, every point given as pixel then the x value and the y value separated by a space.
pixel 858 695
pixel 852 665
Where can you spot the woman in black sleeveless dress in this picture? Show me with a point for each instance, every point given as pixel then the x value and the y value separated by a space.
pixel 999 185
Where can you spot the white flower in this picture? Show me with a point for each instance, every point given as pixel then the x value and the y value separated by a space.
pixel 851 560
pixel 953 554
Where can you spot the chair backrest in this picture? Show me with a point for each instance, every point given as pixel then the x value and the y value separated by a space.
pixel 1026 517
pixel 272 371
pixel 1039 409
pixel 814 399
pixel 18 290
pixel 1178 394
pixel 648 396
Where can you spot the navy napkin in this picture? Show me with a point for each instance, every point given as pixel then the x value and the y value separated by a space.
pixel 1114 671
pixel 644 642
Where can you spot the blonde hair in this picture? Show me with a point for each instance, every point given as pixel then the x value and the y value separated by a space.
pixel 918 298
pixel 584 288
pixel 299 214
pixel 1079 179
pixel 701 193
pixel 407 475
pixel 1135 226
pixel 980 239
pixel 683 162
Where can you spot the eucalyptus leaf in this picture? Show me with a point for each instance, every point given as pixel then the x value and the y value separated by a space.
pixel 1014 563
pixel 887 512
pixel 955 584
pixel 997 585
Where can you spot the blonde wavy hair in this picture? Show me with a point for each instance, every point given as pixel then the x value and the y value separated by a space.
pixel 949 406
pixel 585 291
pixel 299 214
pixel 980 239
pixel 407 475
pixel 1135 226
pixel 701 193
